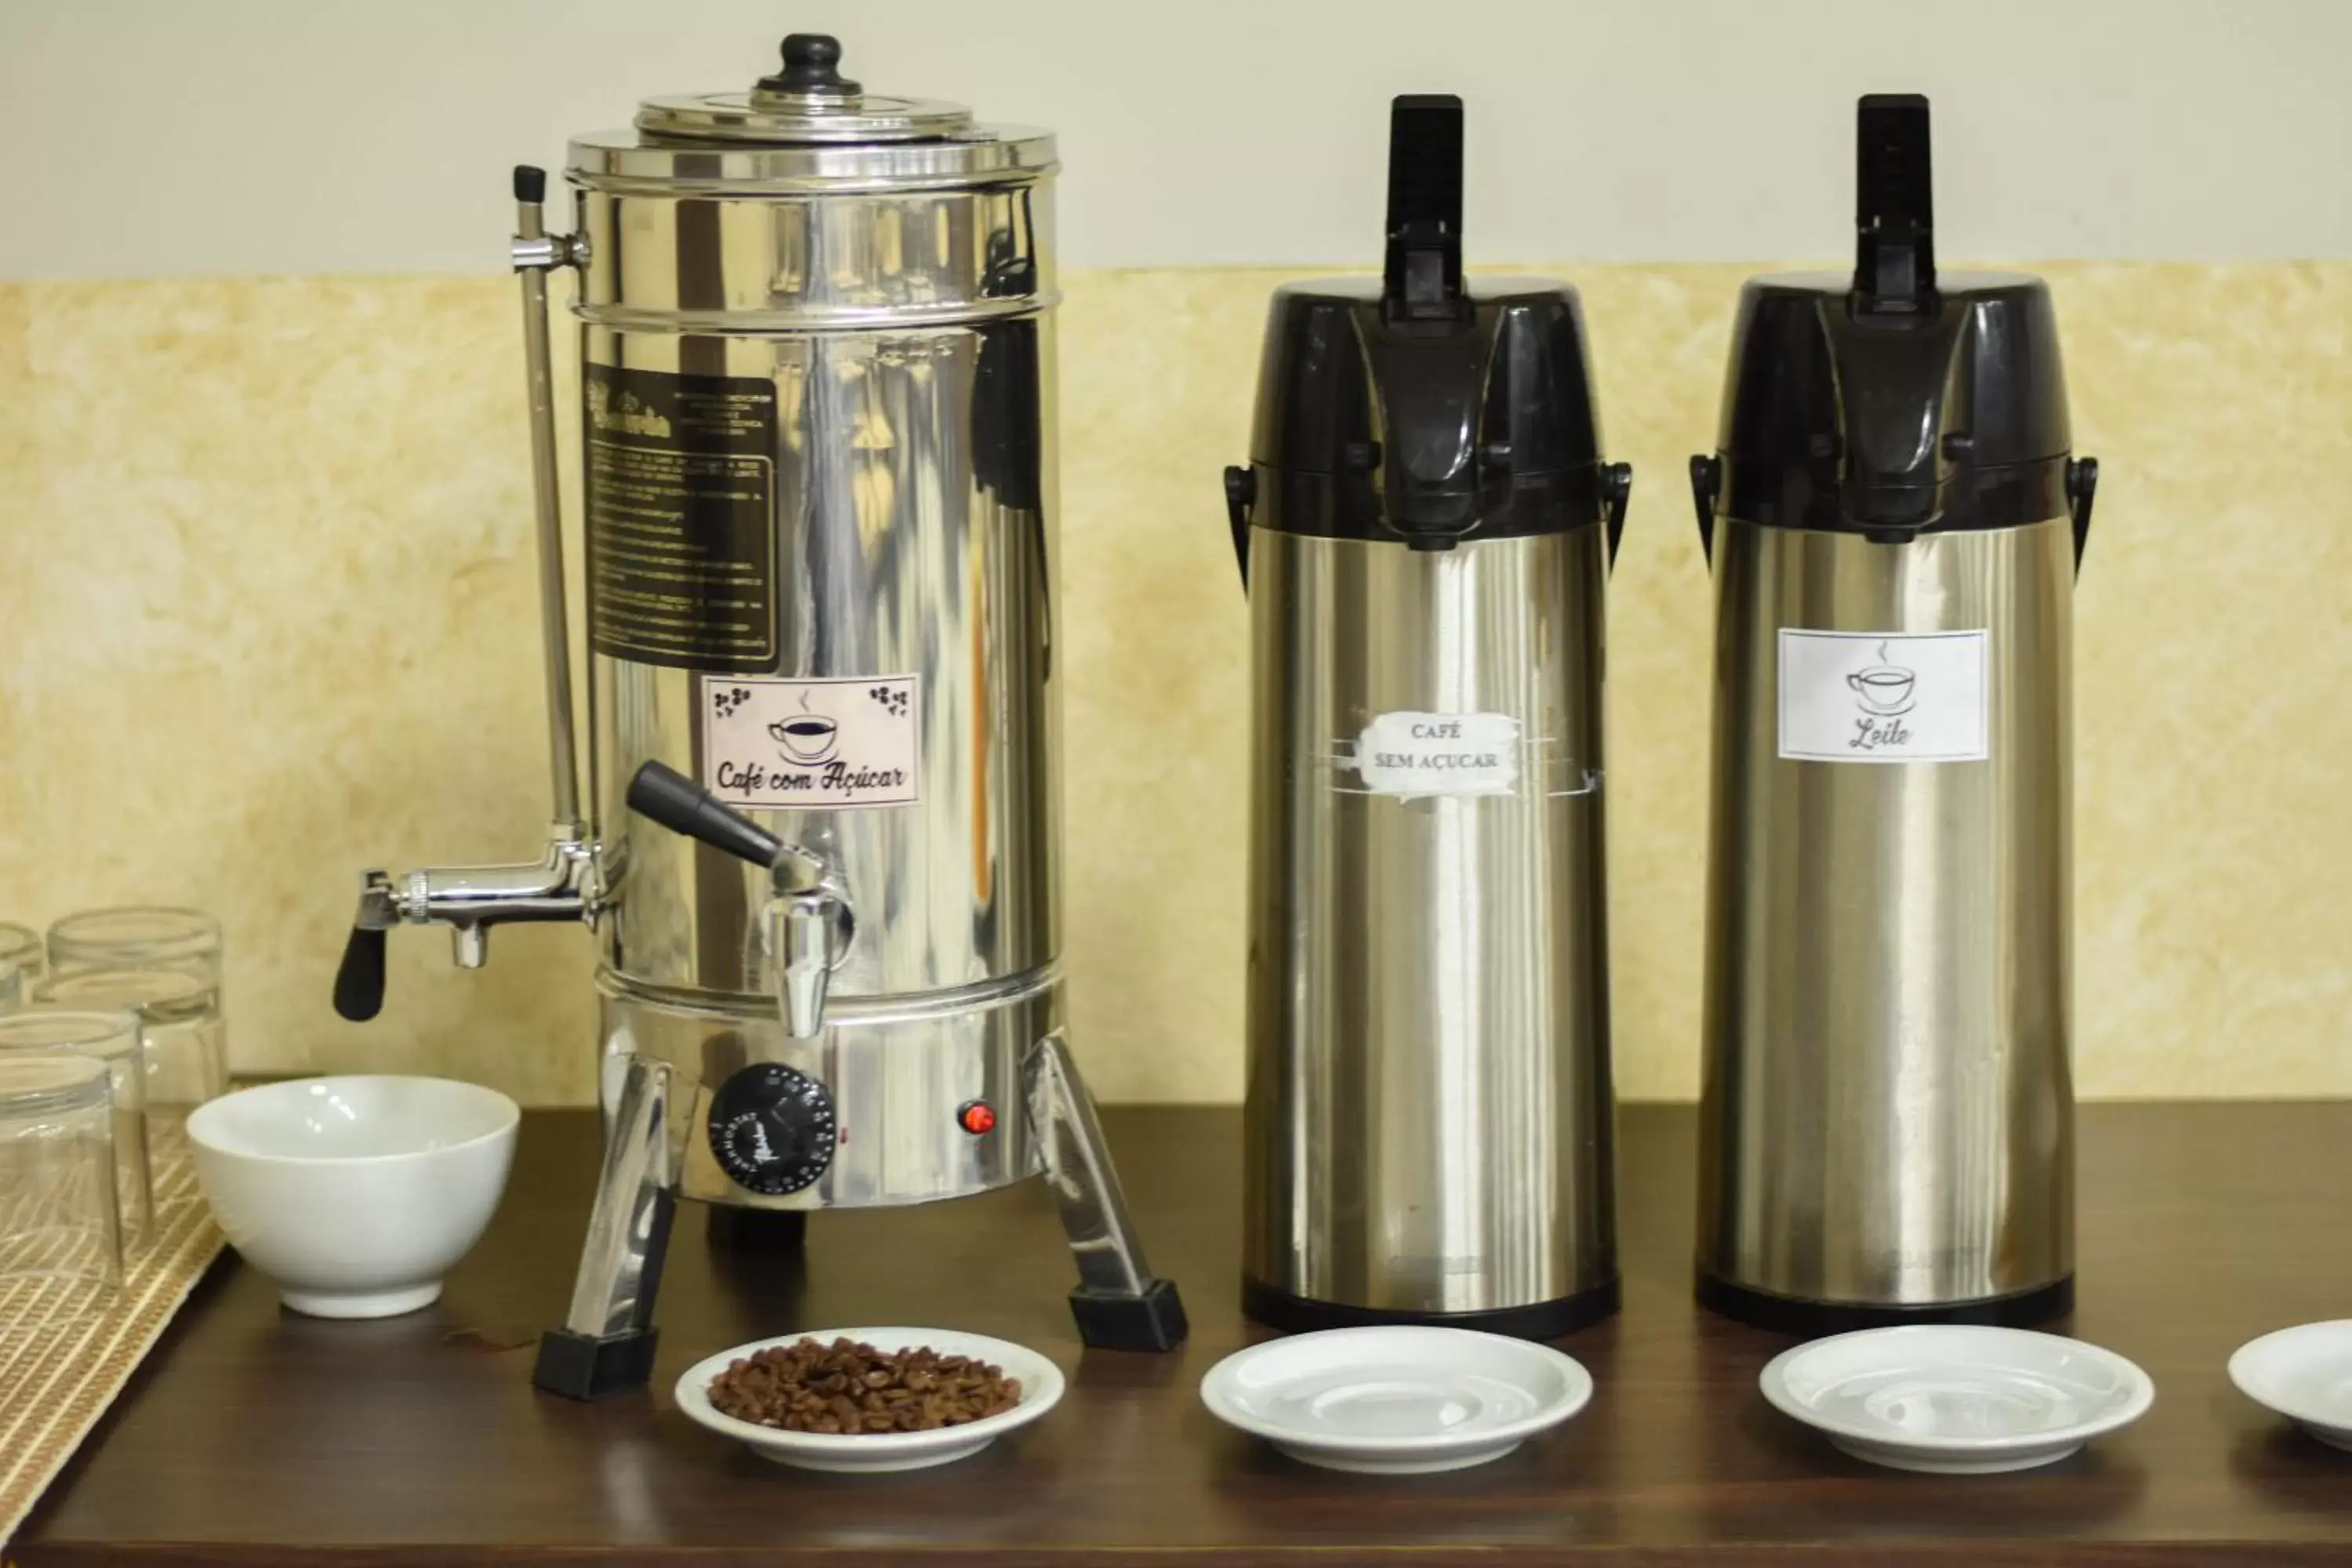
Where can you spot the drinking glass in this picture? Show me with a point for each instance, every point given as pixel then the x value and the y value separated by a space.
pixel 144 936
pixel 60 1226
pixel 113 1040
pixel 20 963
pixel 179 1013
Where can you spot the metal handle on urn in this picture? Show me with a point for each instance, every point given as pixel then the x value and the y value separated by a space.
pixel 563 884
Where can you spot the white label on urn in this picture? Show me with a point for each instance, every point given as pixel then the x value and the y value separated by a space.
pixel 1883 697
pixel 812 746
pixel 1411 755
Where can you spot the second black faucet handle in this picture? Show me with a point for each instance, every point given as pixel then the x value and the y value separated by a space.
pixel 668 796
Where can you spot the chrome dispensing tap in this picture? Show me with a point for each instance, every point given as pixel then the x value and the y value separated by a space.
pixel 807 922
pixel 563 884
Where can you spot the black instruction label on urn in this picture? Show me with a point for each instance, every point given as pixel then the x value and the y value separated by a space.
pixel 682 544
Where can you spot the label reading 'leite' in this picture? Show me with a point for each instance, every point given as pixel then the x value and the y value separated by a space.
pixel 812 746
pixel 1883 697
pixel 1411 755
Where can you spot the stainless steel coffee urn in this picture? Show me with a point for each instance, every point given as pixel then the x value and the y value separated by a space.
pixel 1426 528
pixel 1894 520
pixel 818 470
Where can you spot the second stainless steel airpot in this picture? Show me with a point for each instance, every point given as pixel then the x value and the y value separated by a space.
pixel 1895 517
pixel 1425 525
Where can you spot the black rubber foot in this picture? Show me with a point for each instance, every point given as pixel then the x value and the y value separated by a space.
pixel 1811 1319
pixel 580 1367
pixel 776 1230
pixel 1152 1321
pixel 1541 1321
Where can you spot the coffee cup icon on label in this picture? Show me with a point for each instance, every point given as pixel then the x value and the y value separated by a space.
pixel 806 737
pixel 1885 689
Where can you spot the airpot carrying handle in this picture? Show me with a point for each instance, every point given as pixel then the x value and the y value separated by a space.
pixel 1706 482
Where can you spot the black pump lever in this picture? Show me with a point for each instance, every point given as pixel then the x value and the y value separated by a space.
pixel 1895 206
pixel 1422 277
pixel 1427 360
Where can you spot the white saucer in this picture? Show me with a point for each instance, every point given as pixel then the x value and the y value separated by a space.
pixel 1396 1401
pixel 2305 1374
pixel 1040 1387
pixel 1956 1400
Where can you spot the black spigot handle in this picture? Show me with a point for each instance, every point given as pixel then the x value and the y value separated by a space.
pixel 665 796
pixel 359 979
pixel 530 184
pixel 1895 205
pixel 1422 277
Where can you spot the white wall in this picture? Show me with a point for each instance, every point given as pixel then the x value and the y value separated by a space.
pixel 279 136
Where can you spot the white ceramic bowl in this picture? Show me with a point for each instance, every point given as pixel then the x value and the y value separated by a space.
pixel 2304 1373
pixel 1040 1390
pixel 1956 1400
pixel 355 1195
pixel 1396 1401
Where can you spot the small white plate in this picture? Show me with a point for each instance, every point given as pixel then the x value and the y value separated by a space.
pixel 868 1453
pixel 1396 1401
pixel 2305 1374
pixel 1957 1400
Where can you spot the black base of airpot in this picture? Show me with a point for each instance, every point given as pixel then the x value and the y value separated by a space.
pixel 1811 1319
pixel 1536 1321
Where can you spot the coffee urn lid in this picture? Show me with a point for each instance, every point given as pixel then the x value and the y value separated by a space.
pixel 1898 400
pixel 806 102
pixel 1421 406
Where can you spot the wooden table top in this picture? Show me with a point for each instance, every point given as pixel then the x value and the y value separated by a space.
pixel 256 1439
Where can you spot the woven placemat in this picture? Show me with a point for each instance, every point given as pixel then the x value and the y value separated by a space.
pixel 57 1378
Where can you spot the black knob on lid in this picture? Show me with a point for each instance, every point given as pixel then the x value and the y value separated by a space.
pixel 811 62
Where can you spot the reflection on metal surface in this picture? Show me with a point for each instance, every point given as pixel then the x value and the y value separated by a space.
pixel 1077 1167
pixel 1888 1112
pixel 620 1265
pixel 1429 1108
pixel 894 560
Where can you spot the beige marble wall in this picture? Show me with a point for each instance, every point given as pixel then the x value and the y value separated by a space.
pixel 267 616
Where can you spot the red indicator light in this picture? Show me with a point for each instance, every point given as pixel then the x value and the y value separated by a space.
pixel 976 1118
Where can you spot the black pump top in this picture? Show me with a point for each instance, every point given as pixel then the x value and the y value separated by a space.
pixel 1898 401
pixel 1421 406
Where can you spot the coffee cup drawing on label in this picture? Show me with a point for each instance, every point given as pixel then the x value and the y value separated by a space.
pixel 1883 688
pixel 825 745
pixel 807 739
pixel 1883 696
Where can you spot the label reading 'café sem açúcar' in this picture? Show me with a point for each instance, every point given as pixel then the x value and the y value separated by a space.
pixel 1411 755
